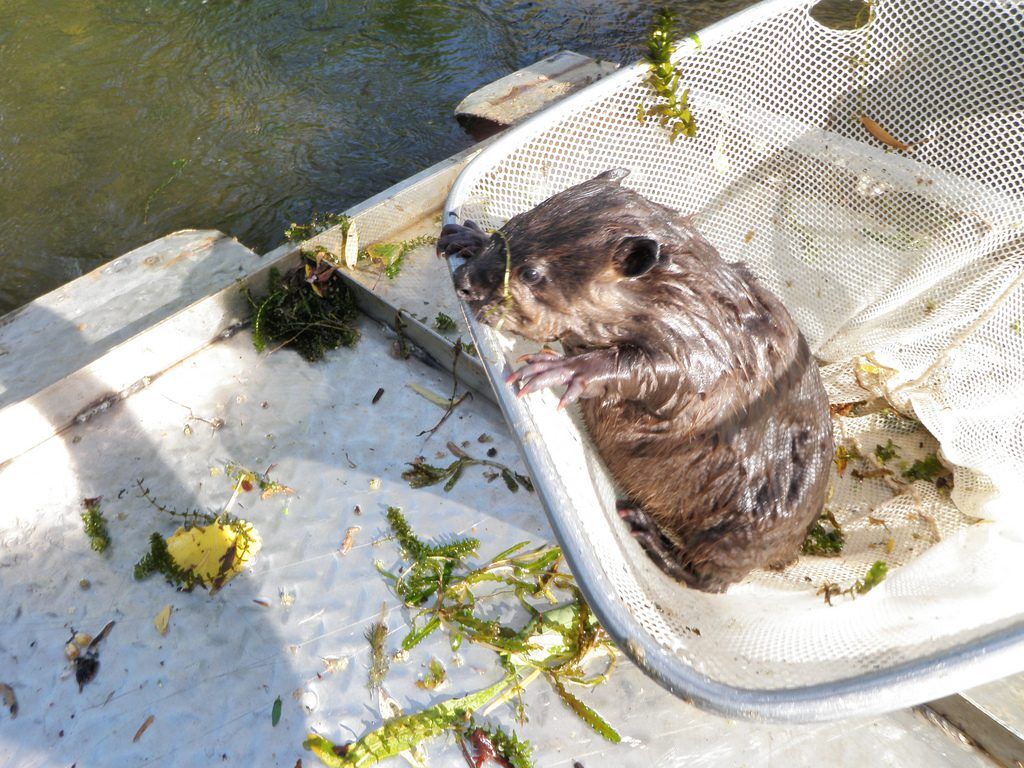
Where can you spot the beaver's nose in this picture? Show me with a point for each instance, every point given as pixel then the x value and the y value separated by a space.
pixel 464 285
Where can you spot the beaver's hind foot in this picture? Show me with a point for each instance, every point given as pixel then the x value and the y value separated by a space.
pixel 662 551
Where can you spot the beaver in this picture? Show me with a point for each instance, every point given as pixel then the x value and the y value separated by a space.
pixel 695 384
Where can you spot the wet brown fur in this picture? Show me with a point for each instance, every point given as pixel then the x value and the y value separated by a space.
pixel 697 387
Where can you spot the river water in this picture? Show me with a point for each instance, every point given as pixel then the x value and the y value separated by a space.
pixel 123 120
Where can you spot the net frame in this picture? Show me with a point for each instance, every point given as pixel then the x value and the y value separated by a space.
pixel 590 132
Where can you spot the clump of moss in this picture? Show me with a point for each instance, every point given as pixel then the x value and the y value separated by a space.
pixel 309 308
pixel 824 539
pixel 887 452
pixel 95 525
pixel 927 468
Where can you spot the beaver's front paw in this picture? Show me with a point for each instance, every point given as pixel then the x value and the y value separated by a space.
pixel 585 375
pixel 465 240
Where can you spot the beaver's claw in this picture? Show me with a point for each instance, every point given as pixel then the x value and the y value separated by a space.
pixel 585 375
pixel 466 240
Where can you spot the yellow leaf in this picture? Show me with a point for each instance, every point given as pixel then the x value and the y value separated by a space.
pixel 216 552
pixel 163 619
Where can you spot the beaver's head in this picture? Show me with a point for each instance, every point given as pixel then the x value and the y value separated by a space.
pixel 579 264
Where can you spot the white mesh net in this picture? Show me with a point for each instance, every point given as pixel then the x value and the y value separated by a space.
pixel 904 271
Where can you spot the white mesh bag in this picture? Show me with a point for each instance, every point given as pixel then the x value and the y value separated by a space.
pixel 904 270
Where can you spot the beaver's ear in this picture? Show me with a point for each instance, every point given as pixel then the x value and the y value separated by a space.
pixel 636 256
pixel 614 175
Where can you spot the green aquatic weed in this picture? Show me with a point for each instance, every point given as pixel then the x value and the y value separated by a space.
pixel 672 109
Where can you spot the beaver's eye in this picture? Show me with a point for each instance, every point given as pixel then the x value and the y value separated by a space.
pixel 529 275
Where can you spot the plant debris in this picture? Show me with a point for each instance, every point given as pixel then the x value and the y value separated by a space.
pixel 377 396
pixel 556 639
pixel 208 551
pixel 825 538
pixel 310 309
pixel 494 744
pixel 275 713
pixel 162 620
pixel 429 396
pixel 83 652
pixel 142 728
pixel 887 452
pixel 673 109
pixel 179 167
pixel 319 222
pixel 929 468
pixel 390 257
pixel 7 693
pixel 453 402
pixel 95 525
pixel 444 323
pixel 875 575
pixel 436 675
pixel 349 539
pixel 420 474
pixel 882 135
pixel 845 409
pixel 843 456
pixel 400 348
pixel 375 635
pixel 247 480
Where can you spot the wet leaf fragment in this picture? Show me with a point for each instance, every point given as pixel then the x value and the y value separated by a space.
pixel 7 694
pixel 586 714
pixel 843 456
pixel 346 545
pixel 390 257
pixel 275 713
pixel 142 728
pixel 162 620
pixel 883 135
